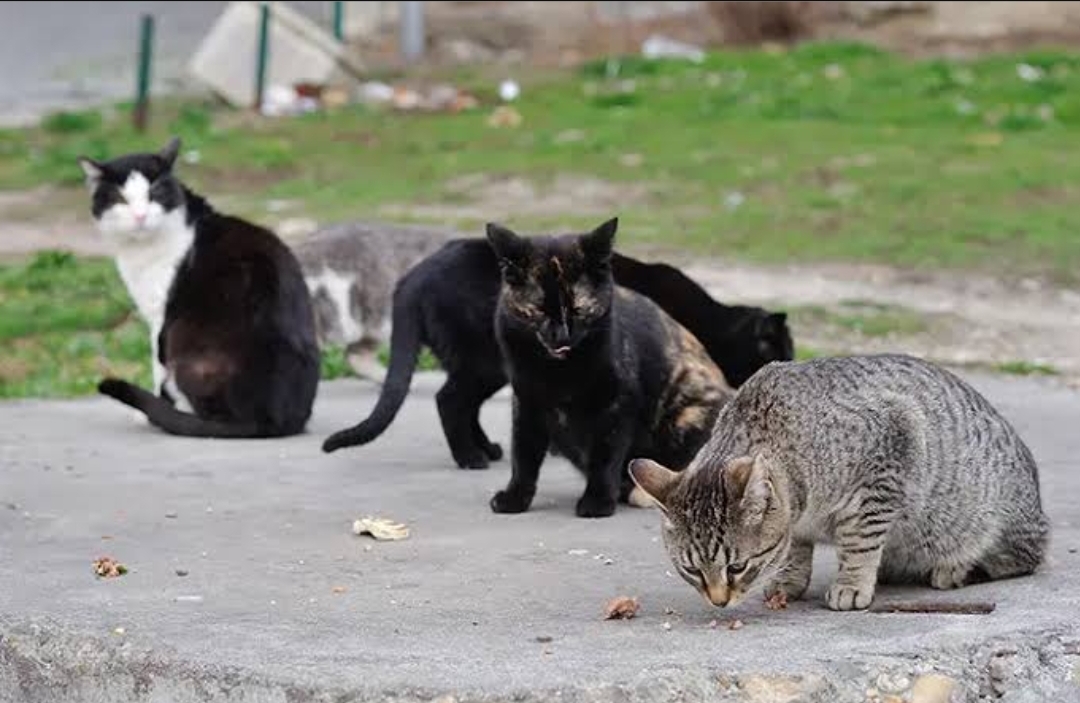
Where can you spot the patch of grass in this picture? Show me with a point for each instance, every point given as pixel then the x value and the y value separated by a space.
pixel 1025 368
pixel 867 319
pixel 835 152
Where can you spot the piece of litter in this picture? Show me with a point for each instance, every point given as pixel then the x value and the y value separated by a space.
pixel 181 572
pixel 621 608
pixel 204 555
pixel 670 611
pixel 380 528
pixel 170 515
pixel 578 552
pixel 209 509
pixel 661 47
pixel 301 562
pixel 338 589
pixel 509 90
pixel 109 568
pixel 504 116
pixel 119 631
pixel 735 625
pixel 544 639
pixel 713 624
pixel 608 562
pixel 188 599
pixel 666 626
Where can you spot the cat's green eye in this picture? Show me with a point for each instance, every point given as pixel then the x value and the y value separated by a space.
pixel 736 568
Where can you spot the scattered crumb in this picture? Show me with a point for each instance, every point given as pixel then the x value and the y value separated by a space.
pixel 171 515
pixel 666 626
pixel 380 528
pixel 713 624
pixel 670 611
pixel 544 639
pixel 621 608
pixel 777 601
pixel 106 538
pixel 735 625
pixel 338 589
pixel 109 568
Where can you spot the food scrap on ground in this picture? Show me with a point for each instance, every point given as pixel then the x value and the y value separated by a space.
pixel 380 528
pixel 735 625
pixel 338 589
pixel 777 601
pixel 621 608
pixel 109 568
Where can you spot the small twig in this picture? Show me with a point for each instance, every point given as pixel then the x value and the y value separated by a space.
pixel 932 607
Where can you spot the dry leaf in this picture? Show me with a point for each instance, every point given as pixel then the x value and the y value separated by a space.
pixel 504 116
pixel 380 528
pixel 109 568
pixel 621 608
pixel 777 601
pixel 338 589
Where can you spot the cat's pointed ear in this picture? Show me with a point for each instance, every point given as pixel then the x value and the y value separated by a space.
pixel 92 169
pixel 509 247
pixel 170 151
pixel 656 480
pixel 752 476
pixel 599 243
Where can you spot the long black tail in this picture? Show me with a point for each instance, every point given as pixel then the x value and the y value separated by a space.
pixel 166 417
pixel 405 345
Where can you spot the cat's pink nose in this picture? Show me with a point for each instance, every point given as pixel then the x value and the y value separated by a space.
pixel 140 217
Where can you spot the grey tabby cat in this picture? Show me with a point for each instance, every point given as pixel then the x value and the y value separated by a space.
pixel 351 269
pixel 907 469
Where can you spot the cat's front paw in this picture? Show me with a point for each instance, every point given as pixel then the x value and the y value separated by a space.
pixel 509 501
pixel 846 597
pixel 785 590
pixel 591 506
pixel 948 577
pixel 493 451
pixel 473 460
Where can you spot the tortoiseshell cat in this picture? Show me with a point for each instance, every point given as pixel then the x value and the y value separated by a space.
pixel 600 374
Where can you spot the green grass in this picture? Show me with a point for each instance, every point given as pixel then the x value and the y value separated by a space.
pixel 828 152
pixel 1025 368
pixel 837 151
pixel 865 318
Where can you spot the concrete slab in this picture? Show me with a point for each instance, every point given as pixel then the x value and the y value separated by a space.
pixel 282 603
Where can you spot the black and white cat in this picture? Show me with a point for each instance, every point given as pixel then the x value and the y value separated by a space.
pixel 231 322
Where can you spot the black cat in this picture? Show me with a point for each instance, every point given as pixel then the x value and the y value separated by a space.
pixel 236 337
pixel 600 373
pixel 447 302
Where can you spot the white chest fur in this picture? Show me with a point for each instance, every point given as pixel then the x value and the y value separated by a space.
pixel 147 266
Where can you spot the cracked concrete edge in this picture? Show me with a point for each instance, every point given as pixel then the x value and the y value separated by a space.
pixel 41 662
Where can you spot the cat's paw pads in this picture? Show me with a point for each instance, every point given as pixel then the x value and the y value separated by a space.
pixel 948 577
pixel 494 451
pixel 510 502
pixel 592 507
pixel 843 597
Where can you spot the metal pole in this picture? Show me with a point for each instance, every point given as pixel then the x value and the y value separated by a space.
pixel 339 20
pixel 264 50
pixel 142 90
pixel 412 30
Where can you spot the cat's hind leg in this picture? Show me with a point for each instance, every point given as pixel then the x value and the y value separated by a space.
pixel 458 406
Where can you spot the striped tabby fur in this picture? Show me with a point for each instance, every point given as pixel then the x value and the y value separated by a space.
pixel 902 465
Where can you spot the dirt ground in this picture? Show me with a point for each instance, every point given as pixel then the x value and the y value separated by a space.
pixel 954 317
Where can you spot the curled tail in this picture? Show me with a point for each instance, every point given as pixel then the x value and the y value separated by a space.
pixel 405 345
pixel 166 417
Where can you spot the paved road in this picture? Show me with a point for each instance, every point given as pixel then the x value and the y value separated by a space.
pixel 63 54
pixel 476 605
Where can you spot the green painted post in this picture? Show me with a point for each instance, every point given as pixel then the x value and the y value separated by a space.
pixel 339 20
pixel 142 90
pixel 264 50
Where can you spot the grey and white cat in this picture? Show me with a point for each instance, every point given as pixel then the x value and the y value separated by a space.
pixel 906 468
pixel 351 269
